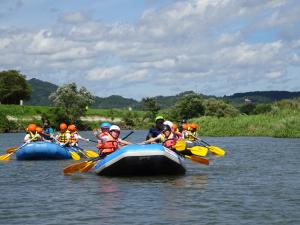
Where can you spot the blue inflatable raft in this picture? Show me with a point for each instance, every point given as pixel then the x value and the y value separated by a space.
pixel 152 159
pixel 42 151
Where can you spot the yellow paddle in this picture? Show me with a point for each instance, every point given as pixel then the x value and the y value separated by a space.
pixel 88 166
pixel 74 155
pixel 198 150
pixel 75 167
pixel 7 156
pixel 91 153
pixel 180 145
pixel 86 152
pixel 82 166
pixel 12 149
pixel 214 149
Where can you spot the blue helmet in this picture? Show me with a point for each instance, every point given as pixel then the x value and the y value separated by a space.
pixel 105 125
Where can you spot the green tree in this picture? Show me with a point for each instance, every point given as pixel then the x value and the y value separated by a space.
pixel 248 108
pixel 218 108
pixel 129 118
pixel 263 108
pixel 73 102
pixel 13 87
pixel 151 106
pixel 188 106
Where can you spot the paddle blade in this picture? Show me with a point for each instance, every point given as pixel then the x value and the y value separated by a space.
pixel 11 150
pixel 199 150
pixel 216 150
pixel 91 154
pixel 198 159
pixel 6 156
pixel 88 166
pixel 180 145
pixel 74 167
pixel 74 155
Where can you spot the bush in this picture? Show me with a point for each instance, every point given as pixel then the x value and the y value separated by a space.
pixel 188 106
pixel 248 109
pixel 262 108
pixel 218 108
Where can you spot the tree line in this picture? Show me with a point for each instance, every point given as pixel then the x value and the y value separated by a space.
pixel 69 103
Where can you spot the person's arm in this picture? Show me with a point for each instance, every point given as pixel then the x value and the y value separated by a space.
pixel 123 142
pixel 150 134
pixel 151 140
pixel 27 138
pixel 97 133
pixel 78 136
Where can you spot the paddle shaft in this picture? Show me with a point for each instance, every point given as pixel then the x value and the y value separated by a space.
pixel 131 132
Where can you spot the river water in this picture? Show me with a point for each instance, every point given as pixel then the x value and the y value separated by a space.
pixel 257 182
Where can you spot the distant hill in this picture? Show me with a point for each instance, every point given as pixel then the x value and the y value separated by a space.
pixel 40 92
pixel 115 101
pixel 261 96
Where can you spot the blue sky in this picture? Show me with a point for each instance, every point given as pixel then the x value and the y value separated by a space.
pixel 147 48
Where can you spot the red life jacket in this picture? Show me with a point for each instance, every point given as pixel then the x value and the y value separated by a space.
pixel 170 142
pixel 108 146
pixel 178 134
pixel 104 134
pixel 72 138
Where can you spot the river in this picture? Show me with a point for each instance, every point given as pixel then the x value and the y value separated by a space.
pixel 257 182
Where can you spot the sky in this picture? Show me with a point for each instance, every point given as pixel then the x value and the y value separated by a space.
pixel 146 48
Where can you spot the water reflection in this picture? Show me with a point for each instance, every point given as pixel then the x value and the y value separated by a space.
pixel 198 181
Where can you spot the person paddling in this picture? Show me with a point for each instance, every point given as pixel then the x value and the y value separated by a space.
pixel 111 142
pixel 31 135
pixel 191 133
pixel 74 136
pixel 48 131
pixel 157 129
pixel 63 135
pixel 168 138
pixel 39 131
pixel 183 126
pixel 104 130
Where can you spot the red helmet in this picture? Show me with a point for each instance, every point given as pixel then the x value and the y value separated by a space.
pixel 31 127
pixel 194 126
pixel 72 127
pixel 63 126
pixel 174 126
pixel 185 126
pixel 39 130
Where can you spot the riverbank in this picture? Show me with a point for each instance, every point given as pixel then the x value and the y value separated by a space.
pixel 281 123
pixel 284 123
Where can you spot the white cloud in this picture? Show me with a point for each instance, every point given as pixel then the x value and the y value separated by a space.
pixel 75 17
pixel 274 74
pixel 204 41
pixel 104 74
pixel 44 42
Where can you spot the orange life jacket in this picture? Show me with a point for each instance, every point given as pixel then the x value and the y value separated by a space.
pixel 73 138
pixel 108 146
pixel 169 142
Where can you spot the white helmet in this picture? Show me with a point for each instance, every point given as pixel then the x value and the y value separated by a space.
pixel 114 127
pixel 169 123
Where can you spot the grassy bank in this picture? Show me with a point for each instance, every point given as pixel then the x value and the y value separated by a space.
pixel 282 123
pixel 15 118
pixel 285 123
